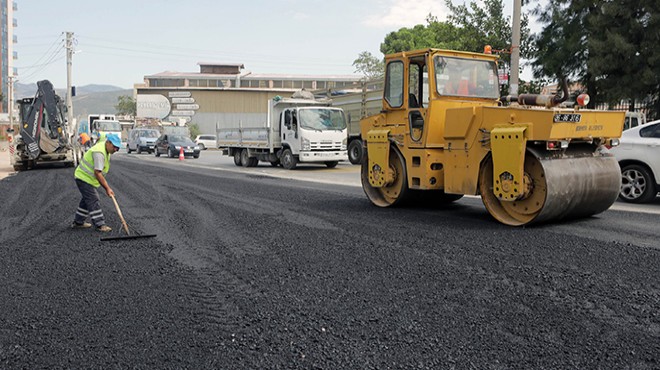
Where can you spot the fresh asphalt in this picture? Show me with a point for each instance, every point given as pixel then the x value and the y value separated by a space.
pixel 253 268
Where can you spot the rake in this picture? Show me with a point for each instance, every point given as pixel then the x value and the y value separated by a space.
pixel 125 226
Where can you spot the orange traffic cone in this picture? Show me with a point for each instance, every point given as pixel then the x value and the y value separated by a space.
pixel 181 156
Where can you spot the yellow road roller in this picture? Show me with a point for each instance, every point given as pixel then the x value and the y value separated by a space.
pixel 444 132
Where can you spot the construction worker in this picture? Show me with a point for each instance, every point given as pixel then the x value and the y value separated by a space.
pixel 89 175
pixel 85 140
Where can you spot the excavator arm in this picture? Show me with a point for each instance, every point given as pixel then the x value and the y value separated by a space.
pixel 43 126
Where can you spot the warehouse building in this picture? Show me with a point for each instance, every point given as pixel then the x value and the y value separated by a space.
pixel 220 92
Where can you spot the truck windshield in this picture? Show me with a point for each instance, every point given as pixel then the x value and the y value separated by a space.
pixel 466 77
pixel 322 119
pixel 108 125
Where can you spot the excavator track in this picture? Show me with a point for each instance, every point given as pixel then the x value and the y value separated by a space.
pixel 581 184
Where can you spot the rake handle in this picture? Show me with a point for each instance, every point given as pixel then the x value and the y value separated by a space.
pixel 123 222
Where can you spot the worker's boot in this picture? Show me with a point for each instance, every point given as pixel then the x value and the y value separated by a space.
pixel 104 228
pixel 84 225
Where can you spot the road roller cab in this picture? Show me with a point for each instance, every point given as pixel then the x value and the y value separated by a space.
pixel 444 132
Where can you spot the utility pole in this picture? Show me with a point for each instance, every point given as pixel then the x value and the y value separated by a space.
pixel 69 103
pixel 10 103
pixel 515 49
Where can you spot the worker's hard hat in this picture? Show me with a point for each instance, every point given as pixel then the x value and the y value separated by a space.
pixel 114 139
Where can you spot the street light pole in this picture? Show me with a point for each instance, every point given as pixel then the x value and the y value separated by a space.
pixel 10 103
pixel 69 57
pixel 515 48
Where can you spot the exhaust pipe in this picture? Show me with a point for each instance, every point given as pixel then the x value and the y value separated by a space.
pixel 547 101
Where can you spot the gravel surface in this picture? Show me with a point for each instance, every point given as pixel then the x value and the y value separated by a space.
pixel 250 272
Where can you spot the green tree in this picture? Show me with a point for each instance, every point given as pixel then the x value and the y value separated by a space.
pixel 194 130
pixel 369 66
pixel 434 34
pixel 126 105
pixel 609 46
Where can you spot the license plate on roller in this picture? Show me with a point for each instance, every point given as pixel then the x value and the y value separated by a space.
pixel 567 117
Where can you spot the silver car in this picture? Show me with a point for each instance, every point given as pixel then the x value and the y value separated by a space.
pixel 142 140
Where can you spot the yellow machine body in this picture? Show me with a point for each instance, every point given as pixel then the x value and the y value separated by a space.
pixel 527 162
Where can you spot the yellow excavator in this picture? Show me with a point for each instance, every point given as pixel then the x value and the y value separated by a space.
pixel 444 132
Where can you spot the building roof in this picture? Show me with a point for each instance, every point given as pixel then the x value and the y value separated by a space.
pixel 237 65
pixel 253 76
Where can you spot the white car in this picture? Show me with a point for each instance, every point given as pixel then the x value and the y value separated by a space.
pixel 639 157
pixel 206 141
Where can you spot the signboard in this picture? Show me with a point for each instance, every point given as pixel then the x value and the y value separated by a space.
pixel 179 94
pixel 187 106
pixel 503 76
pixel 183 113
pixel 153 106
pixel 183 100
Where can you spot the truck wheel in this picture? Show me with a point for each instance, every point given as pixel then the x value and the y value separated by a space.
pixel 275 163
pixel 253 162
pixel 20 167
pixel 288 160
pixel 355 151
pixel 331 164
pixel 139 150
pixel 637 185
pixel 128 149
pixel 237 158
pixel 245 158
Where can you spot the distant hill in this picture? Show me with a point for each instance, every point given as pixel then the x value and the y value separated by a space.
pixel 89 98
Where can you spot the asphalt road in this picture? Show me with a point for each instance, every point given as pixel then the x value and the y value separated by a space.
pixel 253 271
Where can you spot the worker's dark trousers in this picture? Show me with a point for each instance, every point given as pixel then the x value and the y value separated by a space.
pixel 89 206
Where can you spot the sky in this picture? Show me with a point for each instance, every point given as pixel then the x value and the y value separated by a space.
pixel 119 42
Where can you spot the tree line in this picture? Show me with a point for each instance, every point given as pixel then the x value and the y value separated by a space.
pixel 611 48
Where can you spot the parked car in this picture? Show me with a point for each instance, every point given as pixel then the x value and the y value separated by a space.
pixel 141 139
pixel 172 144
pixel 207 141
pixel 639 157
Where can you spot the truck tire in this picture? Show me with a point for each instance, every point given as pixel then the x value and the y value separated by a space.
pixel 237 158
pixel 331 164
pixel 128 149
pixel 245 158
pixel 355 151
pixel 288 160
pixel 275 163
pixel 138 150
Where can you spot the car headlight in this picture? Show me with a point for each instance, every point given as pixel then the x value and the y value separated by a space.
pixel 177 147
pixel 306 144
pixel 196 147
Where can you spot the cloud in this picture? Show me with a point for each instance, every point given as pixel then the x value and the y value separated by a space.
pixel 300 16
pixel 405 13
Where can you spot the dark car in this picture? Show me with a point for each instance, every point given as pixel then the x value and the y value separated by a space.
pixel 172 145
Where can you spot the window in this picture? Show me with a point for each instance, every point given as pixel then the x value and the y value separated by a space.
pixel 650 131
pixel 394 84
pixel 466 77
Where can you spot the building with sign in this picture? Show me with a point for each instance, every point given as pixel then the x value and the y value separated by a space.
pixel 220 92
